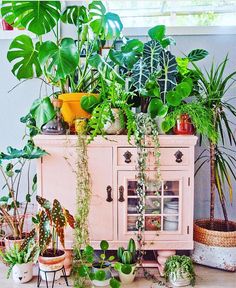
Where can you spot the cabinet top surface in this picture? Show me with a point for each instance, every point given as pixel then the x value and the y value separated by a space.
pixel 115 140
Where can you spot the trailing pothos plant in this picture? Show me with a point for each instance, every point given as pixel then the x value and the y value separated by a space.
pixel 62 63
pixel 50 222
pixel 112 96
pixel 12 166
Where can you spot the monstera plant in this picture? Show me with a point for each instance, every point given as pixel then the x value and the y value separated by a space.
pixel 64 64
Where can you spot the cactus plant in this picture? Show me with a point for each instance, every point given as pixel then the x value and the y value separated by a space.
pixel 127 256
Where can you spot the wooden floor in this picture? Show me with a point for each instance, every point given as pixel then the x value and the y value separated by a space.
pixel 206 277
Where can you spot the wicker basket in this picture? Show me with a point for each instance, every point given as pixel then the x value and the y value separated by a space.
pixel 216 237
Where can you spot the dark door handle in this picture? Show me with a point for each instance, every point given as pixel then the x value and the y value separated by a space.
pixel 178 156
pixel 109 190
pixel 121 194
pixel 128 156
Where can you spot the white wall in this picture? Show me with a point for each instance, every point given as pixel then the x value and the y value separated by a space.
pixel 17 103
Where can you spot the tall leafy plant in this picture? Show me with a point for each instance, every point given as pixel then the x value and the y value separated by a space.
pixel 213 87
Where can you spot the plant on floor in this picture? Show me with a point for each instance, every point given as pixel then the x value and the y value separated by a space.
pixel 96 270
pixel 12 166
pixel 213 86
pixel 20 255
pixel 179 270
pixel 112 108
pixel 126 265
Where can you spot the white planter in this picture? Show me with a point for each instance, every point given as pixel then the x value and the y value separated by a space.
pixel 114 128
pixel 127 278
pixel 179 280
pixel 212 256
pixel 51 264
pixel 22 273
pixel 105 282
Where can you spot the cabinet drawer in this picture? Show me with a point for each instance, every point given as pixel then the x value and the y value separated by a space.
pixel 127 156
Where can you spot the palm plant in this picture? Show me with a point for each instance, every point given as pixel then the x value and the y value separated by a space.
pixel 213 87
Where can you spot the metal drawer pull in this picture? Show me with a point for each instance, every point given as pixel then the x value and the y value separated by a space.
pixel 121 192
pixel 109 198
pixel 178 156
pixel 128 156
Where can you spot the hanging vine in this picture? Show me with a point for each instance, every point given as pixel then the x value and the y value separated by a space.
pixel 146 129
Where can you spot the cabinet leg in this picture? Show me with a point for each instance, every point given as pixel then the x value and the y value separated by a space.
pixel 162 257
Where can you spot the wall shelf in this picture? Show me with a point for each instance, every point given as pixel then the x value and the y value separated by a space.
pixel 11 34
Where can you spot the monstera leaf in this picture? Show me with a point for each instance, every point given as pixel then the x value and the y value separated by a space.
pixel 42 111
pixel 140 75
pixel 75 15
pixel 8 14
pixel 25 56
pixel 128 55
pixel 167 81
pixel 107 25
pixel 59 60
pixel 45 235
pixel 37 16
pixel 151 55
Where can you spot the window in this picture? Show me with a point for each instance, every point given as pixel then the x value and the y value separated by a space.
pixel 147 13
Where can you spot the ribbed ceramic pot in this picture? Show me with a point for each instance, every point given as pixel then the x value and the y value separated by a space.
pixel 127 278
pixel 180 281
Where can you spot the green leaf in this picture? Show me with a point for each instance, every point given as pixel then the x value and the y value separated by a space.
pixel 157 108
pixel 111 258
pixel 183 89
pixel 129 54
pixel 103 256
pixel 114 283
pixel 25 56
pixel 167 125
pixel 88 103
pixel 76 15
pixel 59 60
pixel 151 56
pixel 173 98
pixel 42 111
pixel 59 220
pixel 83 271
pixel 157 32
pixel 44 232
pixel 197 54
pixel 182 65
pixel 107 25
pixel 117 266
pixel 140 75
pixel 28 198
pixel 100 275
pixel 104 245
pixel 126 269
pixel 88 250
pixel 4 199
pixel 37 16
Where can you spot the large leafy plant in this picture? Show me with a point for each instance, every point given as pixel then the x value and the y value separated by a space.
pixel 12 166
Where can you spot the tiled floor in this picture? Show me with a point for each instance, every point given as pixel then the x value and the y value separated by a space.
pixel 206 277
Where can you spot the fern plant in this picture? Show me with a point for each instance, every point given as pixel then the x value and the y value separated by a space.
pixel 112 96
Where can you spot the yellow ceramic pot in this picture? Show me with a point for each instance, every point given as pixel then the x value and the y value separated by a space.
pixel 71 108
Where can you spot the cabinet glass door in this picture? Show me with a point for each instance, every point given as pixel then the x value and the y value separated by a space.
pixel 163 203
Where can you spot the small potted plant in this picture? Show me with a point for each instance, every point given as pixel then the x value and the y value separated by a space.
pixel 13 165
pixel 20 261
pixel 51 222
pixel 126 266
pixel 179 271
pixel 96 269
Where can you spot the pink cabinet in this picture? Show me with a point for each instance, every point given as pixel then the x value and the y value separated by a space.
pixel 112 166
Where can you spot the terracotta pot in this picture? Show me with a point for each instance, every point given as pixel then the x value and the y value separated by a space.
pixel 68 262
pixel 54 263
pixel 6 26
pixel 10 242
pixel 184 126
pixel 71 108
pixel 22 273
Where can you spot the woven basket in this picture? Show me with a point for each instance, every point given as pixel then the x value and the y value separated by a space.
pixel 216 237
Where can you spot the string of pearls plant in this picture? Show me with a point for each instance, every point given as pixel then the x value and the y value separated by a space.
pixel 146 130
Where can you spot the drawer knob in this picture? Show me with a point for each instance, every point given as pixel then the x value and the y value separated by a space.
pixel 128 156
pixel 109 198
pixel 178 156
pixel 121 192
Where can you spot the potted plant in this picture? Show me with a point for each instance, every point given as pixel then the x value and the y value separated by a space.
pixel 51 222
pixel 20 260
pixel 216 238
pixel 73 72
pixel 96 270
pixel 179 271
pixel 126 266
pixel 113 113
pixel 12 166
